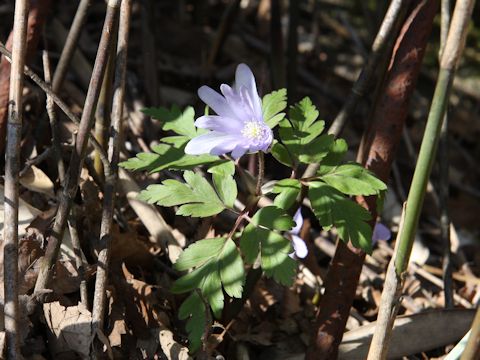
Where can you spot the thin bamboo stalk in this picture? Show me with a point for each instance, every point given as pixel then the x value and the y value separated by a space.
pixel 12 169
pixel 70 44
pixel 398 264
pixel 113 153
pixel 78 154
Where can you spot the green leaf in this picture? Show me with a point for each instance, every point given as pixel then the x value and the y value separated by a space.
pixel 167 156
pixel 317 149
pixel 300 134
pixel 273 218
pixel 334 157
pixel 193 310
pixel 250 242
pixel 174 119
pixel 303 117
pixel 280 152
pixel 331 207
pixel 212 288
pixel 323 199
pixel 193 280
pixel 351 223
pixel 232 272
pixel 275 260
pixel 354 179
pixel 288 191
pixel 272 106
pixel 199 253
pixel 274 250
pixel 224 168
pixel 217 263
pixel 196 197
pixel 224 182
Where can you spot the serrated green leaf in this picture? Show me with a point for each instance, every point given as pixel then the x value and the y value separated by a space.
pixel 323 198
pixel 167 156
pixel 284 272
pixel 351 223
pixel 196 197
pixel 334 157
pixel 193 310
pixel 354 179
pixel 288 191
pixel 232 272
pixel 274 218
pixel 191 281
pixel 250 242
pixel 199 253
pixel 224 167
pixel 303 115
pixel 331 207
pixel 274 252
pixel 272 106
pixel 300 134
pixel 212 288
pixel 317 149
pixel 174 119
pixel 227 189
pixel 274 258
pixel 224 182
pixel 280 152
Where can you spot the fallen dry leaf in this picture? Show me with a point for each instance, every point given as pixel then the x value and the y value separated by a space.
pixel 26 214
pixel 70 328
pixel 36 180
pixel 172 349
pixel 411 334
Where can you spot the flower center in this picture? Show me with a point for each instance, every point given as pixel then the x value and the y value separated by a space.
pixel 254 130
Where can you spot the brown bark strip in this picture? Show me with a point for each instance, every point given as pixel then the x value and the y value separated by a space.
pixel 36 18
pixel 376 153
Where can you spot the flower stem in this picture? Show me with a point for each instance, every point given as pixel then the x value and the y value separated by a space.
pixel 261 173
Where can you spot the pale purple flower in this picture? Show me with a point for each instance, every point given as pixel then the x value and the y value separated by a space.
pixel 238 126
pixel 380 232
pixel 299 247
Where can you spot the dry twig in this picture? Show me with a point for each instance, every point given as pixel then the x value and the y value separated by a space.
pixel 70 44
pixel 78 154
pixel 113 153
pixel 12 169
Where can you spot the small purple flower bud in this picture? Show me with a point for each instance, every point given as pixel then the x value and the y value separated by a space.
pixel 238 126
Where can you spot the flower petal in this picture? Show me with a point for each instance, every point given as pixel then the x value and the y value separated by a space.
pixel 216 101
pixel 299 246
pixel 220 124
pixel 244 78
pixel 239 151
pixel 204 144
pixel 243 111
pixel 298 218
pixel 380 232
